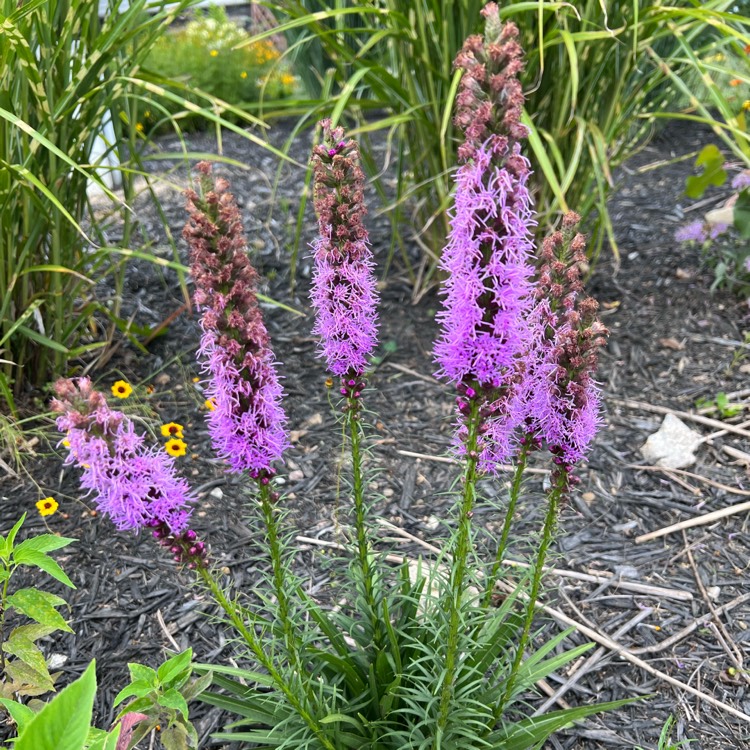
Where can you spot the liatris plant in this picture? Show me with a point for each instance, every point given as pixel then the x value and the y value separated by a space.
pixel 417 657
pixel 345 300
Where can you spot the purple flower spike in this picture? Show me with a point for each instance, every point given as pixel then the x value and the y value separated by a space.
pixel 561 396
pixel 344 289
pixel 135 486
pixel 488 292
pixel 247 425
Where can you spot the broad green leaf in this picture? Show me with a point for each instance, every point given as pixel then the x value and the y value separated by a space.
pixel 44 562
pixel 174 666
pixel 63 724
pixel 27 651
pixel 142 673
pixel 28 681
pixel 173 699
pixel 33 631
pixel 742 214
pixel 712 161
pixel 138 688
pixel 40 607
pixel 174 737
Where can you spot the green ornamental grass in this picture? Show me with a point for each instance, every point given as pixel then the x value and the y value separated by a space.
pixel 67 78
pixel 599 78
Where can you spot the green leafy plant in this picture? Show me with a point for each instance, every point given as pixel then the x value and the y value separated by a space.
pixel 720 403
pixel 665 738
pixel 22 664
pixel 215 55
pixel 723 232
pixel 161 697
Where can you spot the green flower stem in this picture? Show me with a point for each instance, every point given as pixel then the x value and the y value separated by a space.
pixel 277 565
pixel 263 657
pixel 515 491
pixel 556 493
pixel 360 524
pixel 458 569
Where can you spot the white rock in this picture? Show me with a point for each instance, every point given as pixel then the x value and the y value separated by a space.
pixel 672 445
pixel 217 493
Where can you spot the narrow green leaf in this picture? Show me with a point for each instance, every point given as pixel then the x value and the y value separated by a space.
pixel 44 543
pixel 44 562
pixel 11 538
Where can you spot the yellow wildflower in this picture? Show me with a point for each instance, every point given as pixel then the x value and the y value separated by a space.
pixel 47 506
pixel 122 389
pixel 243 75
pixel 210 404
pixel 139 127
pixel 175 447
pixel 214 53
pixel 746 104
pixel 172 430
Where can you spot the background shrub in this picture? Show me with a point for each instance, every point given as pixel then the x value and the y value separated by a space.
pixel 214 54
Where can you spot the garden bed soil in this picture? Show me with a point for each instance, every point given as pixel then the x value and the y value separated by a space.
pixel 671 343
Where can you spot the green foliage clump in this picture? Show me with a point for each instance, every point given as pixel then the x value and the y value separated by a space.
pixel 215 55
pixel 23 668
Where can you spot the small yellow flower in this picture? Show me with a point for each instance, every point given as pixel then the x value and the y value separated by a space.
pixel 66 443
pixel 329 382
pixel 139 127
pixel 147 114
pixel 47 506
pixel 287 79
pixel 214 53
pixel 243 75
pixel 746 104
pixel 210 404
pixel 172 430
pixel 175 447
pixel 196 380
pixel 122 389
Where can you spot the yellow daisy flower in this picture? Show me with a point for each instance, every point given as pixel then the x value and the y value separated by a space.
pixel 176 447
pixel 172 430
pixel 214 53
pixel 209 404
pixel 47 506
pixel 122 389
pixel 243 75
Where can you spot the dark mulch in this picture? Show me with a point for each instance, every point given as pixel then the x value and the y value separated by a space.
pixel 671 343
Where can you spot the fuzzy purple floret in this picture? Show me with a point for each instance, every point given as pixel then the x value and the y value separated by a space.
pixel 487 290
pixel 345 299
pixel 741 180
pixel 695 231
pixel 344 290
pixel 565 412
pixel 135 486
pixel 247 425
